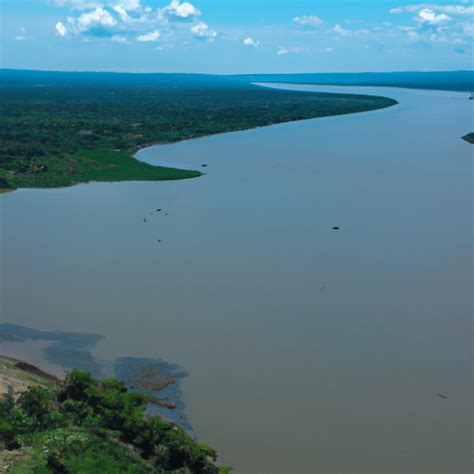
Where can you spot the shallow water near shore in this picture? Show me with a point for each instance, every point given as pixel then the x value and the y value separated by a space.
pixel 309 349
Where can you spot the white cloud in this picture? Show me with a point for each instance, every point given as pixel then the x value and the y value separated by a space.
pixel 122 13
pixel 180 11
pixel 282 51
pixel 129 4
pixel 451 9
pixel 61 30
pixel 22 36
pixel 308 21
pixel 78 4
pixel 152 36
pixel 429 16
pixel 341 31
pixel 90 4
pixel 96 18
pixel 133 20
pixel 201 31
pixel 120 39
pixel 251 42
pixel 435 23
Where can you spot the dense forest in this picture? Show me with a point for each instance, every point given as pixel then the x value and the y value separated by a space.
pixel 91 426
pixel 58 129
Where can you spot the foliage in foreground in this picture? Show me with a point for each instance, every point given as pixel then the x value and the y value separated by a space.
pixel 87 426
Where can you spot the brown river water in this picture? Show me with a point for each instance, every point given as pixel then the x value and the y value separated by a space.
pixel 310 350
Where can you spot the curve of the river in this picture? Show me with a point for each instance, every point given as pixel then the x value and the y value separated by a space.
pixel 309 349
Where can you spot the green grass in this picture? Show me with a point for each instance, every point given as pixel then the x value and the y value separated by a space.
pixel 91 165
pixel 78 450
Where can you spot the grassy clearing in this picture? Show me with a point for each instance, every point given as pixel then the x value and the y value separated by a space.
pixel 92 165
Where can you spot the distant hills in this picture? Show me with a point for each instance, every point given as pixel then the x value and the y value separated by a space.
pixel 440 80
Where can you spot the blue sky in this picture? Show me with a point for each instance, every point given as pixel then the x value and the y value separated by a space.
pixel 236 36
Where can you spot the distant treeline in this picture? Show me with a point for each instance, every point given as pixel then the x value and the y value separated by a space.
pixel 440 80
pixel 58 129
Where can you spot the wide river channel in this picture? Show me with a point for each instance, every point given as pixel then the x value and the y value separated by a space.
pixel 309 350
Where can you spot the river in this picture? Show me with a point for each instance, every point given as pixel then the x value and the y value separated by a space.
pixel 309 349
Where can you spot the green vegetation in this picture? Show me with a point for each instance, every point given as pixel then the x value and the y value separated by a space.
pixel 469 137
pixel 4 184
pixel 86 426
pixel 58 129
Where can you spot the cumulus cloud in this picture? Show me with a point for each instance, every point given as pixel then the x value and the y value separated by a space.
pixel 122 12
pixel 180 11
pixel 96 18
pixel 251 42
pixel 429 16
pixel 61 30
pixel 132 20
pixel 434 23
pixel 308 21
pixel 152 36
pixel 202 31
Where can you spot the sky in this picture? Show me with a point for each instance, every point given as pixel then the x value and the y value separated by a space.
pixel 236 36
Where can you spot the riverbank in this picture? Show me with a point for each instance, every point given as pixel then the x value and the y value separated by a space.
pixel 58 353
pixel 21 375
pixel 103 122
pixel 85 425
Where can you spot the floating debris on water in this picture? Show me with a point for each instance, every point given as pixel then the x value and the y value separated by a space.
pixel 335 227
pixel 440 395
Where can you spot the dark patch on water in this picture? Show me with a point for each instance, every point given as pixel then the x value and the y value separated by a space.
pixel 70 350
pixel 73 351
pixel 158 378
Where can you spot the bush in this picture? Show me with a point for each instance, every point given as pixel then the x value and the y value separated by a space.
pixel 90 426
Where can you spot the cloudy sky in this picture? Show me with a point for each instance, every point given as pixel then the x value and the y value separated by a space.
pixel 236 36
